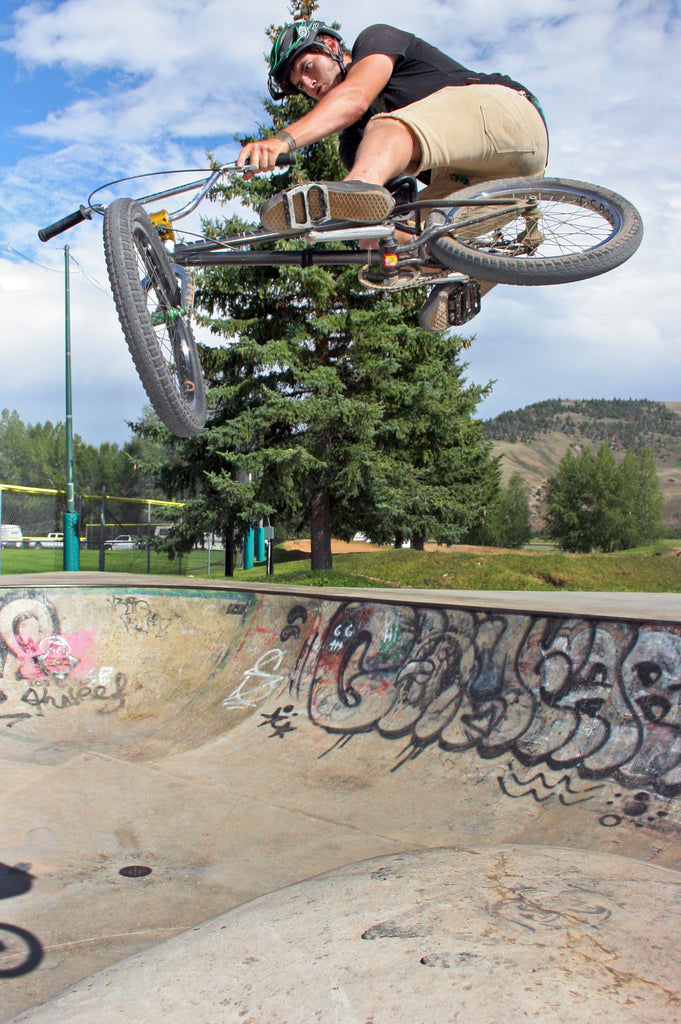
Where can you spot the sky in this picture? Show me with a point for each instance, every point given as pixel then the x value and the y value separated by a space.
pixel 94 91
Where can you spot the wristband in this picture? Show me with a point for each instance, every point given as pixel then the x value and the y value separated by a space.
pixel 286 137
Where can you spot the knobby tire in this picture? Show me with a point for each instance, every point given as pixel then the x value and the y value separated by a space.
pixel 163 349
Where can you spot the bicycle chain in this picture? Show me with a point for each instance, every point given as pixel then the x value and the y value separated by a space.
pixel 408 277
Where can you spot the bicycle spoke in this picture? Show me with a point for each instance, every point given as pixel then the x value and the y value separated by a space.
pixel 545 232
pixel 163 316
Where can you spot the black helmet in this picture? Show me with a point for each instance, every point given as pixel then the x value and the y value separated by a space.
pixel 290 43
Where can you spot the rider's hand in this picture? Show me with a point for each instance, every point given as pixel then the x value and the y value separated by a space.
pixel 262 154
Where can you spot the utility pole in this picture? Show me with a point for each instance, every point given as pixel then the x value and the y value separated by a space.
pixel 71 539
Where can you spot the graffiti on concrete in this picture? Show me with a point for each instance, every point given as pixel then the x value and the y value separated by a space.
pixel 110 697
pixel 138 616
pixel 258 683
pixel 280 721
pixel 587 699
pixel 42 669
pixel 541 787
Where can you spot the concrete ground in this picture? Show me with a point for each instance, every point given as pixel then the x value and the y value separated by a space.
pixel 338 806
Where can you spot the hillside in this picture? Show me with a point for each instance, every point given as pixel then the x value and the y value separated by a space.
pixel 533 441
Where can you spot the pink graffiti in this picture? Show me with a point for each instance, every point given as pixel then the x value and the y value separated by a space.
pixel 57 656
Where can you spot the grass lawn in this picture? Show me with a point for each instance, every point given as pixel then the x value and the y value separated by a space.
pixel 653 569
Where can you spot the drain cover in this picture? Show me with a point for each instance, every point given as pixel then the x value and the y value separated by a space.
pixel 135 871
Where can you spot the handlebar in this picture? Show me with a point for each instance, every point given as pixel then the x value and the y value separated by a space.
pixel 286 159
pixel 85 212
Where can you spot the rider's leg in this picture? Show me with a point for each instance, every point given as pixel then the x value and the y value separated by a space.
pixel 481 132
pixel 388 148
pixel 489 132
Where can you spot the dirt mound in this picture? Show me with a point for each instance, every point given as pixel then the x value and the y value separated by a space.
pixel 343 547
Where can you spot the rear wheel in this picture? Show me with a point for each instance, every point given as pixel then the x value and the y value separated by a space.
pixel 148 300
pixel 553 231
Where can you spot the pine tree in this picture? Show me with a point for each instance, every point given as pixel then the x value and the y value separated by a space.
pixel 328 403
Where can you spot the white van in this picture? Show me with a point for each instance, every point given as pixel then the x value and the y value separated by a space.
pixel 11 536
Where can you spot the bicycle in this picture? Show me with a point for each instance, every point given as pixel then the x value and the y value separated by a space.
pixel 518 231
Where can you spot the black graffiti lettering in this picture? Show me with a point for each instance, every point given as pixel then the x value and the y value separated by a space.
pixel 13 719
pixel 560 692
pixel 589 706
pixel 649 674
pixel 112 702
pixel 34 699
pixel 40 697
pixel 137 616
pixel 291 629
pixel 655 709
pixel 279 721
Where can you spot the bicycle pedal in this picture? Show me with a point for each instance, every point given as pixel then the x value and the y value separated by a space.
pixel 316 204
pixel 463 303
pixel 305 206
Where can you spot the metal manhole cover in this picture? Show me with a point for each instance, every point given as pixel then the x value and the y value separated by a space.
pixel 135 871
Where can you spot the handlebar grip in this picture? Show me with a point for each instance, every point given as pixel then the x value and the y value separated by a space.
pixel 286 159
pixel 70 221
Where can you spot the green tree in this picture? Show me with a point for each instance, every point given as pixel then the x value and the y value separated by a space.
pixel 34 455
pixel 507 523
pixel 328 405
pixel 640 509
pixel 594 503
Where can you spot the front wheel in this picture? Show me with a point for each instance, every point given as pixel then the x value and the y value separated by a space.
pixel 147 297
pixel 552 231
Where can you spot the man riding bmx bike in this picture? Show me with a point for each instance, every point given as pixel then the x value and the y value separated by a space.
pixel 401 107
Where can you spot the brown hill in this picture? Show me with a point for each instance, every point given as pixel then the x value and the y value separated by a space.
pixel 532 441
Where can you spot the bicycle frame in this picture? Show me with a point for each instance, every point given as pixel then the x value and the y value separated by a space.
pixel 588 229
pixel 234 250
pixel 230 250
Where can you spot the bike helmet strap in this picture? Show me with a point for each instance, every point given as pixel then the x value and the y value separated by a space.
pixel 290 43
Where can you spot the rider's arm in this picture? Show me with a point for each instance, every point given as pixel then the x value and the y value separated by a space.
pixel 340 107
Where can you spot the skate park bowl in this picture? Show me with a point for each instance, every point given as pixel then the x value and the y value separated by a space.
pixel 228 803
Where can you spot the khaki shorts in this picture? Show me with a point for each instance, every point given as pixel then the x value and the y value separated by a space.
pixel 475 132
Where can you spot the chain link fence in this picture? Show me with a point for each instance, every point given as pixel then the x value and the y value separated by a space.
pixel 116 535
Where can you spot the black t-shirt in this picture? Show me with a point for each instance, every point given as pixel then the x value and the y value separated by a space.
pixel 420 69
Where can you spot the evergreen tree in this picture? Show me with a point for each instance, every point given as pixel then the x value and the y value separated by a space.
pixel 34 455
pixel 328 404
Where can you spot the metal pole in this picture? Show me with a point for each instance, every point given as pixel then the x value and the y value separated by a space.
pixel 102 533
pixel 71 540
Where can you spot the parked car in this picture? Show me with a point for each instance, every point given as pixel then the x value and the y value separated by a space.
pixel 53 540
pixel 11 536
pixel 124 542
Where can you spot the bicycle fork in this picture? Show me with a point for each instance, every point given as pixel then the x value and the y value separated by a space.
pixel 171 314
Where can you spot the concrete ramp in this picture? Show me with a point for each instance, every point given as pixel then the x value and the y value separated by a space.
pixel 350 806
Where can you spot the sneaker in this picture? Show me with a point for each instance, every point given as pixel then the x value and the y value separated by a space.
pixel 450 305
pixel 317 203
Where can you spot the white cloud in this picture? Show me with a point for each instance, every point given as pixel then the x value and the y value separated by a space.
pixel 147 86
